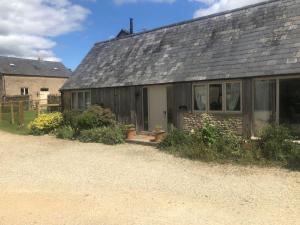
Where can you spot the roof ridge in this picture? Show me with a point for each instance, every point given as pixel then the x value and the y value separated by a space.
pixel 191 20
pixel 36 60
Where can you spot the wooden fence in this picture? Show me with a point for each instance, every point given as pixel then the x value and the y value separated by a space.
pixel 16 111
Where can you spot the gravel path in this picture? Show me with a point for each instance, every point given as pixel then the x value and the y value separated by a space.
pixel 46 181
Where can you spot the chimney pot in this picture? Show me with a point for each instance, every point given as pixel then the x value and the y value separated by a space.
pixel 131 25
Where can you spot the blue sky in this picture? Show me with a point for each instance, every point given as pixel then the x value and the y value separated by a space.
pixel 106 19
pixel 65 30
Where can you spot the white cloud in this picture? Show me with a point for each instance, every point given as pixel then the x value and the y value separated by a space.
pixel 28 26
pixel 120 2
pixel 215 6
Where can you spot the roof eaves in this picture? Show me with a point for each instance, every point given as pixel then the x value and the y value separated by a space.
pixel 31 75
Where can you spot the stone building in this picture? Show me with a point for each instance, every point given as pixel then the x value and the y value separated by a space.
pixel 241 65
pixel 35 78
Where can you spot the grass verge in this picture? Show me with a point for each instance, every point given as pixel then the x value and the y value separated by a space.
pixel 5 124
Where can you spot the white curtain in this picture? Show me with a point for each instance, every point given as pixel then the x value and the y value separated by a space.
pixel 233 97
pixel 200 97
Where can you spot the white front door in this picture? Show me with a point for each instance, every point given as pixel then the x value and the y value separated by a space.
pixel 157 97
pixel 44 97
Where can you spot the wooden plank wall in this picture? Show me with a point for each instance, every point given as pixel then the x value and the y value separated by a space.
pixel 125 102
pixel 182 101
pixel 1 87
pixel 66 100
pixel 247 107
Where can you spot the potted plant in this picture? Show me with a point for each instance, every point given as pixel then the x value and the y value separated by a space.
pixel 131 131
pixel 159 134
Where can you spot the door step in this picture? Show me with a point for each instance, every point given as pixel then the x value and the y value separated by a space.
pixel 143 139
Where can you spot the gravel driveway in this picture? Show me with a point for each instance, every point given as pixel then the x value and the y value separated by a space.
pixel 48 181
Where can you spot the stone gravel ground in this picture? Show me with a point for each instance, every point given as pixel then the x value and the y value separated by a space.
pixel 46 181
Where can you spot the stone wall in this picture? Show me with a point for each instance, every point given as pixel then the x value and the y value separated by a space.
pixel 194 120
pixel 13 85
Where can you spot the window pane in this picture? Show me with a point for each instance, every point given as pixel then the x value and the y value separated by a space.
pixel 233 97
pixel 80 100
pixel 264 104
pixel 200 98
pixel 87 99
pixel 289 103
pixel 215 97
pixel 74 101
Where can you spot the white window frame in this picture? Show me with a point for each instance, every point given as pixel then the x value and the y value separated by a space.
pixel 224 97
pixel 23 91
pixel 76 99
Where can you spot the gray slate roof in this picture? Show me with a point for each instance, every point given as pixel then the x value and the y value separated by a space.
pixel 259 40
pixel 29 67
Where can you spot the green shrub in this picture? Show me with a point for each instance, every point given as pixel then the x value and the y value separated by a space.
pixel 45 123
pixel 276 143
pixel 65 132
pixel 71 118
pixel 174 138
pixel 112 135
pixel 95 116
pixel 90 136
pixel 294 158
pixel 213 142
pixel 106 135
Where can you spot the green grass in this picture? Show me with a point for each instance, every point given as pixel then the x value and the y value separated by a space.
pixel 5 124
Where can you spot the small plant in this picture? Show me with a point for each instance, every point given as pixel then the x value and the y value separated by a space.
pixel 65 132
pixel 105 135
pixel 45 123
pixel 129 126
pixel 210 133
pixel 129 131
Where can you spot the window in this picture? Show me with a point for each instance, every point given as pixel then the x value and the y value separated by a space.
pixel 24 91
pixel 74 100
pixel 44 89
pixel 264 104
pixel 210 97
pixel 81 100
pixel 87 97
pixel 200 97
pixel 233 97
pixel 215 97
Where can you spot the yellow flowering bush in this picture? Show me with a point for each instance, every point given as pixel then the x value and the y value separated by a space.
pixel 46 123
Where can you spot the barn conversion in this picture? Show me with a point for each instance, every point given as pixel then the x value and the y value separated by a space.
pixel 33 78
pixel 242 65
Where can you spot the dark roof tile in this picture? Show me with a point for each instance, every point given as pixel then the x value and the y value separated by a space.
pixel 258 40
pixel 29 67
